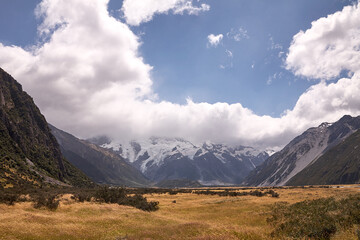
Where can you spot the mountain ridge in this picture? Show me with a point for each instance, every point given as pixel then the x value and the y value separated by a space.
pixel 29 153
pixel 162 159
pixel 302 151
pixel 101 165
pixel 339 165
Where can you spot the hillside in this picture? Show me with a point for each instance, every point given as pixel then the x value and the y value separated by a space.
pixel 339 165
pixel 101 165
pixel 302 151
pixel 29 153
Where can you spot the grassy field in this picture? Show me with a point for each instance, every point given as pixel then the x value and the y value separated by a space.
pixel 181 216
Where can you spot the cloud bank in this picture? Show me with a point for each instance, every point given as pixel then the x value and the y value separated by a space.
pixel 139 11
pixel 331 45
pixel 88 78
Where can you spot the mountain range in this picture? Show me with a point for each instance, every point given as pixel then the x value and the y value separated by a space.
pixel 162 159
pixel 33 152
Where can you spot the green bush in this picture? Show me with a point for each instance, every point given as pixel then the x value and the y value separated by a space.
pixel 50 203
pixel 119 196
pixel 110 195
pixel 8 198
pixel 315 219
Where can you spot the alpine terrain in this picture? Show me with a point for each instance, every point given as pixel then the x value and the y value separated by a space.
pixel 339 165
pixel 304 152
pixel 29 153
pixel 101 165
pixel 162 159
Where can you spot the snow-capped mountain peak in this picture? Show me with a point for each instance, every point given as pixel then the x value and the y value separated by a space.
pixel 156 155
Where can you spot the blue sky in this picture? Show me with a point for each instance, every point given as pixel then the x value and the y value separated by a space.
pixel 176 46
pixel 134 67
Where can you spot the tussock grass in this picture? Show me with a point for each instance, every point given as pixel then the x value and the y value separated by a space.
pixel 192 216
pixel 316 219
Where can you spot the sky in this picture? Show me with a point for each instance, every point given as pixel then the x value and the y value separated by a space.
pixel 246 72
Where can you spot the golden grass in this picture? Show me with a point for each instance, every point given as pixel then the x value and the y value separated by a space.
pixel 191 217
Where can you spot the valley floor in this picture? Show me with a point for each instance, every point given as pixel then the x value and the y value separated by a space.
pixel 192 216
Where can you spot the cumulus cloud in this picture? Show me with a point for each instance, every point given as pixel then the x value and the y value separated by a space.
pixel 139 11
pixel 88 78
pixel 215 40
pixel 331 45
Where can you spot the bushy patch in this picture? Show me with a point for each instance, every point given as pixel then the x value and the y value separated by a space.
pixel 315 219
pixel 119 196
pixel 50 203
pixel 8 198
pixel 82 197
pixel 228 193
pixel 139 202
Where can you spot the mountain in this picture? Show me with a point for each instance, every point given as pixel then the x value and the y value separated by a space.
pixel 101 165
pixel 162 159
pixel 301 152
pixel 339 165
pixel 179 183
pixel 29 153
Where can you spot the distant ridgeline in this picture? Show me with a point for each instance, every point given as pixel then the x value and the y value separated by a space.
pixel 29 153
pixel 101 165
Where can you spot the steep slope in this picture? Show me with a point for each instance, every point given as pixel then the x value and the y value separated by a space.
pixel 100 164
pixel 300 152
pixel 339 165
pixel 29 153
pixel 172 159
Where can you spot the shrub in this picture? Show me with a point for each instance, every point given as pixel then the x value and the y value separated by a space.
pixel 316 219
pixel 139 202
pixel 110 195
pixel 273 193
pixel 50 203
pixel 9 198
pixel 81 197
pixel 119 196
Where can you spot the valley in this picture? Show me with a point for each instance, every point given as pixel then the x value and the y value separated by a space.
pixel 180 216
pixel 179 119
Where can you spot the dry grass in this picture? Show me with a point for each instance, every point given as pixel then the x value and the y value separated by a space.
pixel 191 217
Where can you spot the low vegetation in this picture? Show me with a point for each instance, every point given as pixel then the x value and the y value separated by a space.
pixel 316 219
pixel 324 212
pixel 47 198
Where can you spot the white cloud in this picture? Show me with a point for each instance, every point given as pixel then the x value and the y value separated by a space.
pixel 229 53
pixel 238 34
pixel 273 77
pixel 269 81
pixel 273 45
pixel 215 40
pixel 139 11
pixel 331 45
pixel 89 79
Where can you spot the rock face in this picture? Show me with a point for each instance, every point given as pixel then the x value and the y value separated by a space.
pixel 162 159
pixel 101 165
pixel 339 165
pixel 303 151
pixel 29 153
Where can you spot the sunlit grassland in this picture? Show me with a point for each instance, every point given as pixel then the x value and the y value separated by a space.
pixel 192 216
